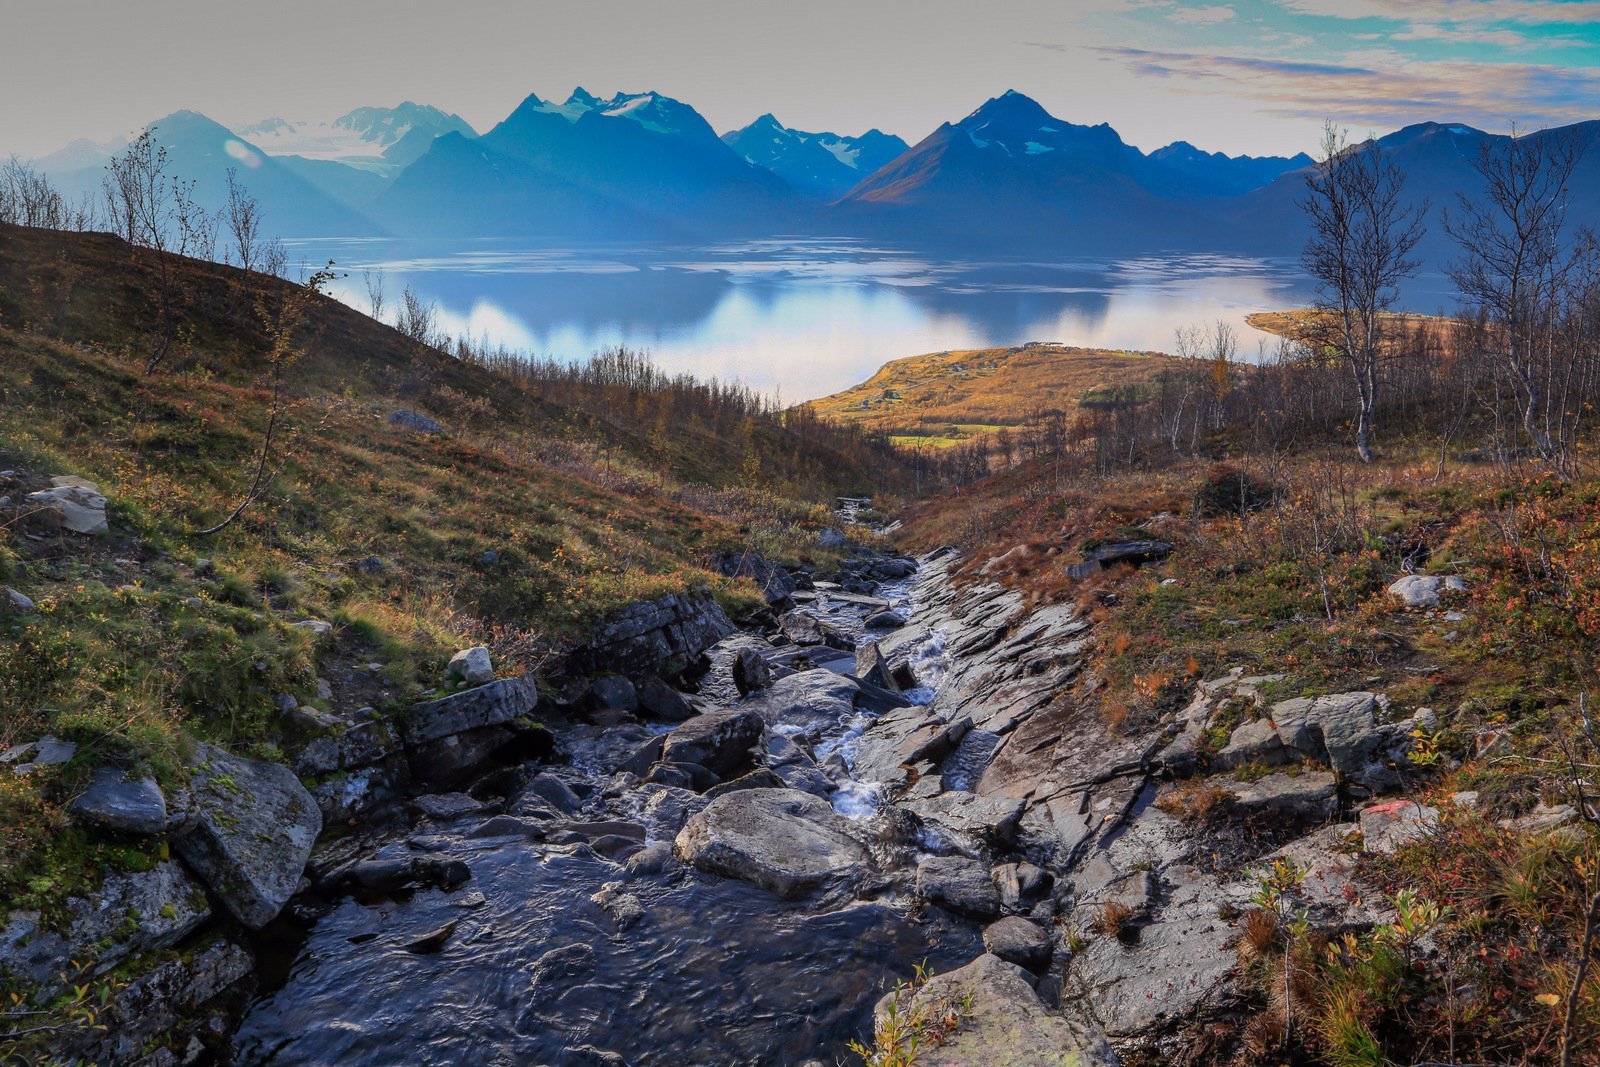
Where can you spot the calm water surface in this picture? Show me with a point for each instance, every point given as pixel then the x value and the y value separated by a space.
pixel 807 317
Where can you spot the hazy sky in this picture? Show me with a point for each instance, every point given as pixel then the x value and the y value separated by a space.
pixel 1238 75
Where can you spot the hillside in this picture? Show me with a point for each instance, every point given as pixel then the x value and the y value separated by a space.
pixel 946 397
pixel 534 509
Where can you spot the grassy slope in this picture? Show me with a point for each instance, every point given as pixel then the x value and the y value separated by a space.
pixel 137 646
pixel 981 390
pixel 1515 656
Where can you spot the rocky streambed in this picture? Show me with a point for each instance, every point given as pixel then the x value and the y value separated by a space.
pixel 880 772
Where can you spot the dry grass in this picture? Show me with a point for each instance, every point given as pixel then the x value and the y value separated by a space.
pixel 1111 917
pixel 946 397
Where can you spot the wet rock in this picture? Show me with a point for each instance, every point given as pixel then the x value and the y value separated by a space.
pixel 1019 941
pixel 155 1001
pixel 958 884
pixel 1019 884
pixel 415 421
pixel 760 778
pixel 615 691
pixel 562 965
pixel 549 790
pixel 361 745
pixel 905 736
pixel 623 907
pixel 112 802
pixel 810 700
pixel 1425 590
pixel 1392 825
pixel 873 669
pixel 1004 1023
pixel 751 672
pixel 720 741
pixel 781 839
pixel 488 705
pixel 442 807
pixel 660 701
pixel 132 912
pixel 470 666
pixel 653 859
pixel 454 759
pixel 511 826
pixel 254 828
pixel 806 630
pixel 796 767
pixel 1287 800
pixel 432 941
pixel 665 810
pixel 615 847
pixel 983 820
pixel 885 620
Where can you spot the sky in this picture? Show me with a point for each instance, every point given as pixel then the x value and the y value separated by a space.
pixel 1256 76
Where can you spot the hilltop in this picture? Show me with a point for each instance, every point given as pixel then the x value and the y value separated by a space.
pixel 943 398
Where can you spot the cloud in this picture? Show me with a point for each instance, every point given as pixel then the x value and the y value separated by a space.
pixel 1208 15
pixel 1380 89
pixel 1528 12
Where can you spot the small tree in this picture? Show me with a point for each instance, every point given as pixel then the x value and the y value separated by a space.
pixel 1515 265
pixel 242 215
pixel 1363 234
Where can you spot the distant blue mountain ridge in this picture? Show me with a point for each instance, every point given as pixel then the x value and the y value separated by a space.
pixel 1008 176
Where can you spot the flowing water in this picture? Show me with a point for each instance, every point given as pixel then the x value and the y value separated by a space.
pixel 716 971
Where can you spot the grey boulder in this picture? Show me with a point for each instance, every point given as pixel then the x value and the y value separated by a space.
pixel 781 839
pixel 958 884
pixel 254 827
pixel 112 802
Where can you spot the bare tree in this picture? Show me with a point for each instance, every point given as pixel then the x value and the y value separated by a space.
pixel 1363 233
pixel 375 297
pixel 417 317
pixel 27 198
pixel 242 215
pixel 1515 263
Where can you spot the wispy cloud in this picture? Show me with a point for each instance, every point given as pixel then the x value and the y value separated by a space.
pixel 1206 15
pixel 1380 88
pixel 1527 12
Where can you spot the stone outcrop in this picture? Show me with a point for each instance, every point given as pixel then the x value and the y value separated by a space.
pixel 488 705
pixel 781 839
pixel 1004 1023
pixel 722 742
pixel 254 826
pixel 661 637
pixel 113 802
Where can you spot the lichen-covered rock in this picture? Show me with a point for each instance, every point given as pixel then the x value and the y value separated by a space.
pixel 781 839
pixel 1425 590
pixel 254 826
pixel 130 913
pixel 1003 1021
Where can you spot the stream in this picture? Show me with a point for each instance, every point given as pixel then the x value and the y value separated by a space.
pixel 561 955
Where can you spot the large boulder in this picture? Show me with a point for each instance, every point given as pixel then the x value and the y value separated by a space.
pixel 1003 1021
pixel 781 839
pixel 1340 729
pixel 721 741
pixel 254 826
pixel 1020 941
pixel 660 701
pixel 488 705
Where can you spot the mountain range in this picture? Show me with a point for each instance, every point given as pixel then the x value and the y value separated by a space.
pixel 645 166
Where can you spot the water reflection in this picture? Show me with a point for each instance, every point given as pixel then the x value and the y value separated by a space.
pixel 806 316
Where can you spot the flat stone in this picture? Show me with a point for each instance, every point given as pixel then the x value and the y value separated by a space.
pixel 254 828
pixel 494 704
pixel 816 699
pixel 1311 796
pixel 1253 742
pixel 958 884
pixel 1394 824
pixel 80 504
pixel 781 839
pixel 112 802
pixel 36 755
pixel 443 806
pixel 1003 1021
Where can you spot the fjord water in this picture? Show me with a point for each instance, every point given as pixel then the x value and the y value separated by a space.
pixel 808 316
